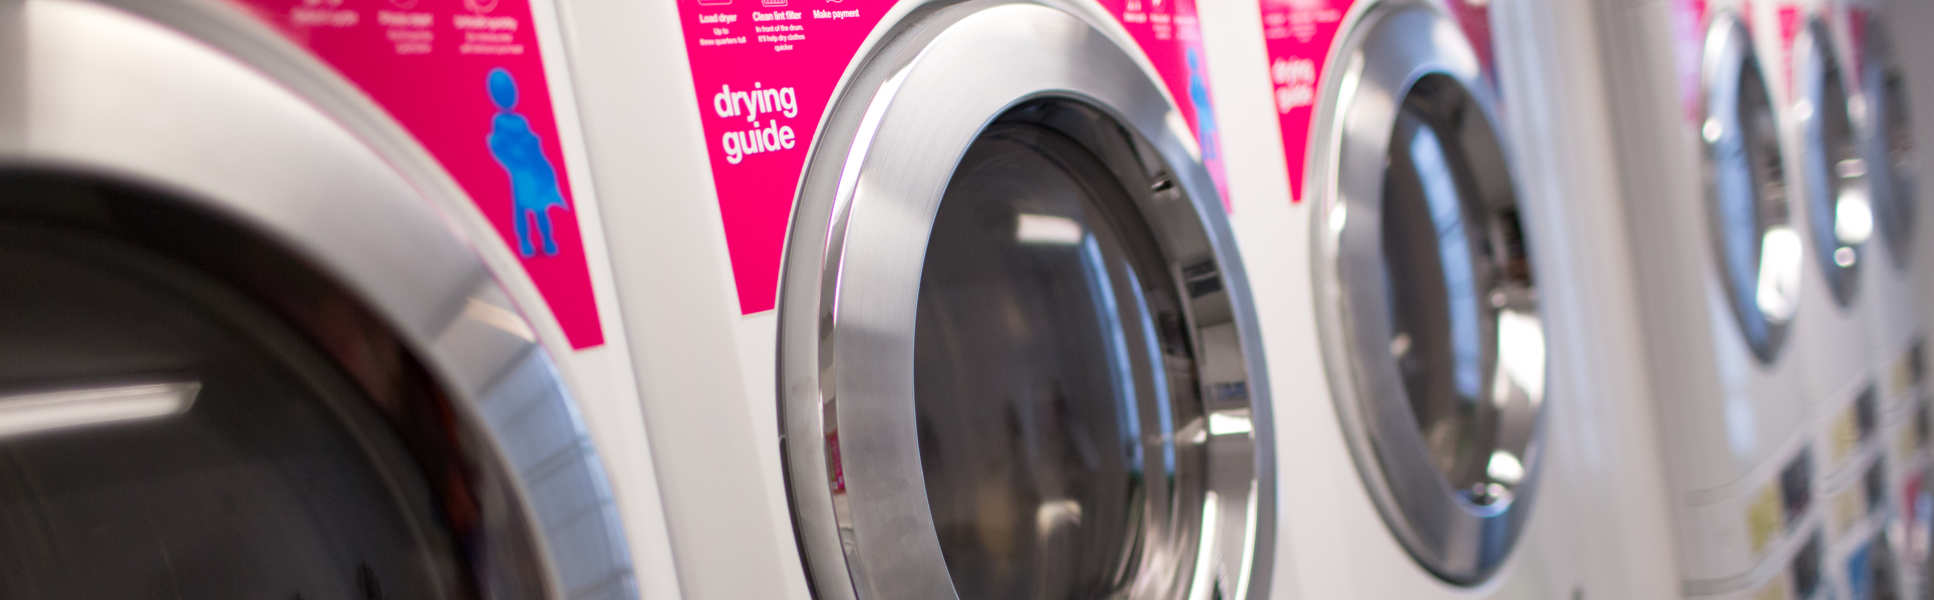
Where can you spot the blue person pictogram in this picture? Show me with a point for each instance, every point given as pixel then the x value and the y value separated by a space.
pixel 533 183
pixel 1205 127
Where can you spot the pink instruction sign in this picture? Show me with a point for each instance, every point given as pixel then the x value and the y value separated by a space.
pixel 765 69
pixel 1297 35
pixel 1791 21
pixel 465 79
pixel 1688 19
pixel 1169 33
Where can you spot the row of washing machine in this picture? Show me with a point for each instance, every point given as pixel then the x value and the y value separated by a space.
pixel 963 298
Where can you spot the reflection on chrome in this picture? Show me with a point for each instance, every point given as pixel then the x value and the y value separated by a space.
pixel 1778 294
pixel 1521 350
pixel 1758 252
pixel 1229 422
pixel 1504 467
pixel 1853 221
pixel 1047 229
pixel 47 411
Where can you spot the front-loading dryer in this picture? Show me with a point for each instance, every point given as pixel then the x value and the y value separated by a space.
pixel 970 266
pixel 1392 252
pixel 259 339
pixel 1760 446
pixel 1848 126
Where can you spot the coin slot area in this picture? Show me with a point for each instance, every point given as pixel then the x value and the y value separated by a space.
pixel 1805 568
pixel 1796 486
pixel 1875 482
pixel 1866 413
pixel 1871 571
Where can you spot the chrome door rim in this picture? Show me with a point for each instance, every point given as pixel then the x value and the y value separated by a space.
pixel 859 234
pixel 1883 91
pixel 1763 314
pixel 1391 48
pixel 1836 183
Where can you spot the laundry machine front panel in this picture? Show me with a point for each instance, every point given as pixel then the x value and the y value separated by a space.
pixel 260 287
pixel 1033 253
pixel 1417 202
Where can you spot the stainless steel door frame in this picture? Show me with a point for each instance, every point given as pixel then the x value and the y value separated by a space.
pixel 1833 175
pixel 1744 177
pixel 860 230
pixel 1886 137
pixel 97 90
pixel 1390 52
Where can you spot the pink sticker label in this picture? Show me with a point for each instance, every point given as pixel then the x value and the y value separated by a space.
pixel 1474 17
pixel 765 69
pixel 465 79
pixel 1689 40
pixel 1857 36
pixel 1171 36
pixel 1297 35
pixel 1789 17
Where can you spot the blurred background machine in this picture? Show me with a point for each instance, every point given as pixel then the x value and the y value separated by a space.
pixel 1779 342
pixel 1407 266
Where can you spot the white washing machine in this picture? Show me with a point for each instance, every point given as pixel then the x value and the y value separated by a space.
pixel 1876 43
pixel 268 329
pixel 1841 64
pixel 1389 110
pixel 1831 193
pixel 1745 337
pixel 1832 190
pixel 975 281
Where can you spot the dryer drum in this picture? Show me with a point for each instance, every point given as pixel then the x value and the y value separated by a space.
pixel 1840 217
pixel 1433 334
pixel 167 431
pixel 1017 353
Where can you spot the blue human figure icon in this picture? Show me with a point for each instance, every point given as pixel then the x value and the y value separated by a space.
pixel 1205 127
pixel 533 183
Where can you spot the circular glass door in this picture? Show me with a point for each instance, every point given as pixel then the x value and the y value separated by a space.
pixel 1889 136
pixel 1758 251
pixel 1839 213
pixel 1437 345
pixel 1015 340
pixel 190 408
pixel 1052 375
pixel 164 437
